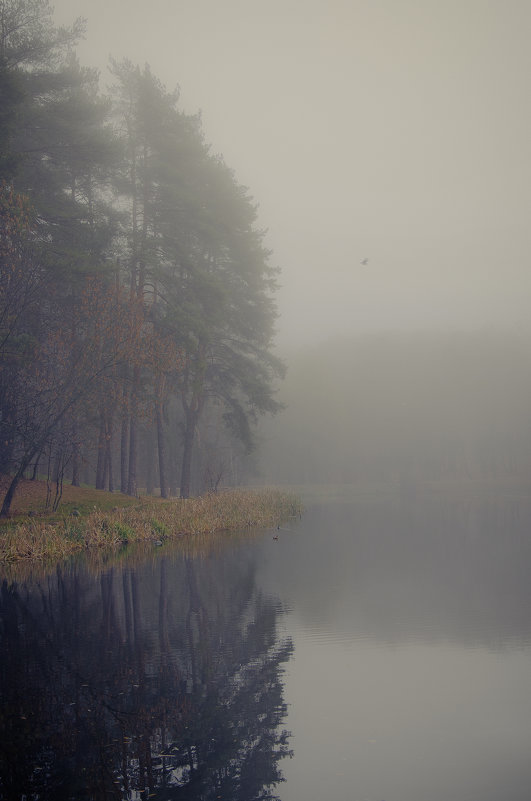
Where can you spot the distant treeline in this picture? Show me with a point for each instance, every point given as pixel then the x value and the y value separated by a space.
pixel 136 297
pixel 407 408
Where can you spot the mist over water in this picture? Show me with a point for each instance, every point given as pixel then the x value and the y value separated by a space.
pixel 404 409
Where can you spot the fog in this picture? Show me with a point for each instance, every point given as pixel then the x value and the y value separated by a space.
pixel 387 145
pixel 387 130
pixel 405 409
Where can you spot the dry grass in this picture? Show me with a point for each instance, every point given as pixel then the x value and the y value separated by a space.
pixel 146 520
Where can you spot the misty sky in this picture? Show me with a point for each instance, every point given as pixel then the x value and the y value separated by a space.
pixel 393 130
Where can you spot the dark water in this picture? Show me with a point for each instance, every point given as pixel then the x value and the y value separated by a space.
pixel 373 652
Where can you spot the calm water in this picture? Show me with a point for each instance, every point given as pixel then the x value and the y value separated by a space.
pixel 373 652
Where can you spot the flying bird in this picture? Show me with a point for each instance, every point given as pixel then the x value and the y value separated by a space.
pixel 364 261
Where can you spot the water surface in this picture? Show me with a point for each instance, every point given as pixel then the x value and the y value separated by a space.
pixel 368 652
pixel 411 675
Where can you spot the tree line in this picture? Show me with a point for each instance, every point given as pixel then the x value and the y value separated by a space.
pixel 405 408
pixel 136 295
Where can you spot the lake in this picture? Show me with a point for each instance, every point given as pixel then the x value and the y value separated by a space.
pixel 370 651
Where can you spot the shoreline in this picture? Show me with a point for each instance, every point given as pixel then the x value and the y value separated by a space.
pixel 148 520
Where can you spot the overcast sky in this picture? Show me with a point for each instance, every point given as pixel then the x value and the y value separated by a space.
pixel 393 130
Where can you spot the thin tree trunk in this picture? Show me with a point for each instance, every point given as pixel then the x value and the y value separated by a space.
pixel 108 454
pixel 149 460
pixel 8 497
pixel 105 471
pixel 100 465
pixel 186 464
pixel 124 441
pixel 186 469
pixel 161 443
pixel 36 468
pixel 174 469
pixel 75 460
pixel 132 488
pixel 193 399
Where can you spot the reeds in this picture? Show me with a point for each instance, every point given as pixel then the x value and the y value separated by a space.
pixel 148 521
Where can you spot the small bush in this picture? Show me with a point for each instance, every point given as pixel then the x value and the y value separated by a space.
pixel 74 531
pixel 159 528
pixel 124 532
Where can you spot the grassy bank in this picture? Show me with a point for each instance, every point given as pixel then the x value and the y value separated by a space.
pixel 143 520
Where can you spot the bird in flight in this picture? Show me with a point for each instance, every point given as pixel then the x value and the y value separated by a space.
pixel 364 261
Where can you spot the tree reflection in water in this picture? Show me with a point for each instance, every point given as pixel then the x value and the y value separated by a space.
pixel 162 681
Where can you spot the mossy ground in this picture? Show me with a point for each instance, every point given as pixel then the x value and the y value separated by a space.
pixel 30 498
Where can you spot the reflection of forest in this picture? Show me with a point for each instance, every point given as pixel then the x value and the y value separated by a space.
pixel 161 682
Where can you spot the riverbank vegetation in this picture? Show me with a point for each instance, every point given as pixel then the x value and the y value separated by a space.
pixel 149 520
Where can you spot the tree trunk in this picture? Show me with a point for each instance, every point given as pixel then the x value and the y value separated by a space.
pixel 108 456
pixel 36 468
pixel 75 461
pixel 132 488
pixel 161 443
pixel 100 465
pixel 175 469
pixel 7 441
pixel 148 461
pixel 8 498
pixel 186 470
pixel 133 455
pixel 124 442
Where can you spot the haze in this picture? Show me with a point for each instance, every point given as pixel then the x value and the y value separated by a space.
pixel 393 131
